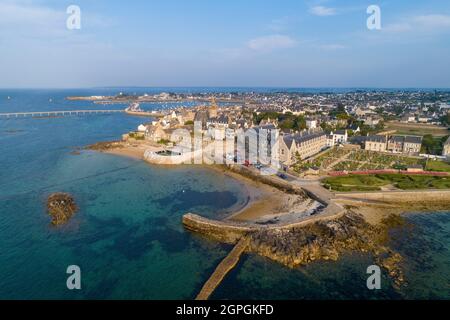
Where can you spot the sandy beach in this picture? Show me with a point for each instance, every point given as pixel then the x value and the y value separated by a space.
pixel 265 202
pixel 135 152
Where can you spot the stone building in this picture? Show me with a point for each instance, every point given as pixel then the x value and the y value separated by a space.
pixel 446 150
pixel 408 145
pixel 306 144
pixel 412 145
pixel 376 143
pixel 395 144
pixel 155 133
pixel 213 109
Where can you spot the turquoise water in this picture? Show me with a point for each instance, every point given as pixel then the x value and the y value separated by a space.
pixel 127 237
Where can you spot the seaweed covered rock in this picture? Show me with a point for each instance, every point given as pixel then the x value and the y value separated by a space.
pixel 328 240
pixel 61 207
pixel 105 146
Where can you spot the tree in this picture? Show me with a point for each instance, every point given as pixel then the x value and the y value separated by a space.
pixel 379 126
pixel 430 145
pixel 287 124
pixel 300 123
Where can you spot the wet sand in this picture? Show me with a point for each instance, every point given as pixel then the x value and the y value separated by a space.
pixel 266 202
pixel 128 151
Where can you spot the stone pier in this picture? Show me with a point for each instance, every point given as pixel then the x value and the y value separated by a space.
pixel 223 268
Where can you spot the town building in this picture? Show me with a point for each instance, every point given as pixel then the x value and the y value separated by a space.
pixel 304 144
pixel 412 145
pixel 155 133
pixel 376 143
pixel 446 150
pixel 395 144
pixel 213 109
pixel 311 124
pixel 408 145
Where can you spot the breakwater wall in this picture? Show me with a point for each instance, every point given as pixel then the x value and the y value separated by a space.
pixel 231 232
pixel 222 231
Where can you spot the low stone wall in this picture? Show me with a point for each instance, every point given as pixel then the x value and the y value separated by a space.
pixel 273 181
pixel 230 231
pixel 398 196
pixel 226 232
pixel 185 158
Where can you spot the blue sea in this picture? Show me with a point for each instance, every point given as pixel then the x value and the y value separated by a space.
pixel 127 237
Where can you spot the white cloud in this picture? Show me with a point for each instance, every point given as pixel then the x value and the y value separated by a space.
pixel 322 11
pixel 25 16
pixel 278 25
pixel 271 42
pixel 433 21
pixel 423 23
pixel 398 27
pixel 332 46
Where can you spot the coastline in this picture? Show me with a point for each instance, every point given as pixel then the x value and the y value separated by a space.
pixel 265 203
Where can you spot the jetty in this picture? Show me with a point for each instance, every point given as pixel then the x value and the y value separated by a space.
pixel 145 114
pixel 223 268
pixel 38 114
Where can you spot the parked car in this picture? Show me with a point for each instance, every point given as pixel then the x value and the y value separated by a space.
pixel 282 176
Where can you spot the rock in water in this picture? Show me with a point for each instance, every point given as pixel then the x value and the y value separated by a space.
pixel 61 207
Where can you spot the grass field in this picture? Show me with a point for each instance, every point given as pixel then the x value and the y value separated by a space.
pixel 417 129
pixel 439 166
pixel 375 182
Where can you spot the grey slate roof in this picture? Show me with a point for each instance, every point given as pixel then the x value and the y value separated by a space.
pixel 413 139
pixel 381 139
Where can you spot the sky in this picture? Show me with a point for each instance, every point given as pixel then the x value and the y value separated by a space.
pixel 220 43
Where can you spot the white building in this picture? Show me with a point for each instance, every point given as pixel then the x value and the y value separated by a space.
pixel 338 137
pixel 446 150
pixel 311 124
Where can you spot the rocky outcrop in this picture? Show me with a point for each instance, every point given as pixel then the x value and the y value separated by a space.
pixel 322 239
pixel 328 240
pixel 61 207
pixel 104 146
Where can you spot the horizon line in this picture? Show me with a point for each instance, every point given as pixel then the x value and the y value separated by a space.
pixel 226 87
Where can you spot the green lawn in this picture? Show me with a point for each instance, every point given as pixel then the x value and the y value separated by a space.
pixel 438 166
pixel 374 182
